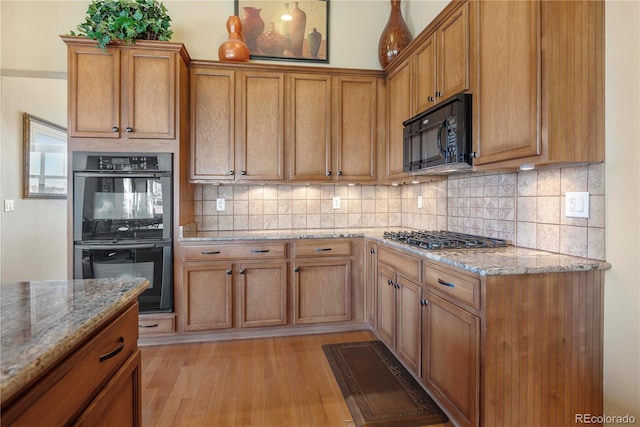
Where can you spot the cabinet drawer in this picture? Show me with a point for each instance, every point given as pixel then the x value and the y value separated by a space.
pixel 401 262
pixel 321 247
pixel 70 386
pixel 156 324
pixel 237 251
pixel 460 286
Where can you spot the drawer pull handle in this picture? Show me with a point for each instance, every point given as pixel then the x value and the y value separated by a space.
pixel 322 249
pixel 443 283
pixel 114 352
pixel 210 252
pixel 155 325
pixel 259 251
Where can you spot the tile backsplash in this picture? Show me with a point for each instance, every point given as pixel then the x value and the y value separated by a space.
pixel 525 207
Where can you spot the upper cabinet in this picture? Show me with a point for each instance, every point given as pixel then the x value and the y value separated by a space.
pixel 440 62
pixel 398 110
pixel 237 125
pixel 539 96
pixel 332 124
pixel 123 92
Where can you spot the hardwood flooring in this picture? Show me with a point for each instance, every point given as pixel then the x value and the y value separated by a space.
pixel 265 382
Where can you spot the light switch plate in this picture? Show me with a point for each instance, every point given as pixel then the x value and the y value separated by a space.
pixel 8 206
pixel 336 202
pixel 219 204
pixel 576 205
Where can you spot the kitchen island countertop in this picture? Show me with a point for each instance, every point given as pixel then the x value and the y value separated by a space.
pixel 485 261
pixel 42 321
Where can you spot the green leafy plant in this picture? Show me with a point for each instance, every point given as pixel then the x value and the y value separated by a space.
pixel 126 20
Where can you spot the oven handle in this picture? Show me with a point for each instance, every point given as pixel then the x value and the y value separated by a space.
pixel 137 174
pixel 116 246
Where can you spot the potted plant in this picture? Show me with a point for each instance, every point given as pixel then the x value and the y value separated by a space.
pixel 126 20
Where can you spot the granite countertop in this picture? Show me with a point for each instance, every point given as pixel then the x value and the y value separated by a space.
pixel 489 262
pixel 42 321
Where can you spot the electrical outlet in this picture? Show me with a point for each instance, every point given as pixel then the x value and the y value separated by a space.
pixel 219 204
pixel 336 202
pixel 577 205
pixel 419 202
pixel 8 206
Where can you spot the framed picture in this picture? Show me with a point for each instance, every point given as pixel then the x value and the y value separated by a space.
pixel 45 159
pixel 285 30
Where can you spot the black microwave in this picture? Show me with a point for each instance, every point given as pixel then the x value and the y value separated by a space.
pixel 438 140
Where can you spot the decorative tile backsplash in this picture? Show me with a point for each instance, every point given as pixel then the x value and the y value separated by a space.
pixel 526 208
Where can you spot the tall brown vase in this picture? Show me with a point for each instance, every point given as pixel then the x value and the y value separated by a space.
pixel 297 27
pixel 394 37
pixel 253 26
pixel 233 49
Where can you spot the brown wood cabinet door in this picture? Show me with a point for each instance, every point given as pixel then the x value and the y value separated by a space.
pixel 208 297
pixel 507 104
pixel 261 127
pixel 322 291
pixel 309 118
pixel 386 325
pixel 94 92
pixel 212 124
pixel 453 54
pixel 451 357
pixel 150 94
pixel 263 288
pixel 424 75
pixel 355 103
pixel 119 402
pixel 409 323
pixel 398 110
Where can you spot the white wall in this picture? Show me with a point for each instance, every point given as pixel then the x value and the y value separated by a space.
pixel 622 180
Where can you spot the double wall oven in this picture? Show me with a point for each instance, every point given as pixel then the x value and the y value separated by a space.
pixel 122 206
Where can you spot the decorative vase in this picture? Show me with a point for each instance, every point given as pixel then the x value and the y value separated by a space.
pixel 271 42
pixel 284 25
pixel 297 27
pixel 253 26
pixel 394 37
pixel 233 49
pixel 314 38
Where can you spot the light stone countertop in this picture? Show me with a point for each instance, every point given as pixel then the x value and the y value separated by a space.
pixel 42 321
pixel 489 262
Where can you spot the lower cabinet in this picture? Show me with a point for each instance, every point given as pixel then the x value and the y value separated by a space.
pixel 322 290
pixel 451 357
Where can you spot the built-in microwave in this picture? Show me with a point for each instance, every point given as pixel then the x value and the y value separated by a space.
pixel 438 140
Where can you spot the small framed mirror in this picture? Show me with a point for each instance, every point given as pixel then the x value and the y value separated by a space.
pixel 45 159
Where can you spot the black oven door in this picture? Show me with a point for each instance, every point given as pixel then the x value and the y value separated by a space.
pixel 112 206
pixel 151 261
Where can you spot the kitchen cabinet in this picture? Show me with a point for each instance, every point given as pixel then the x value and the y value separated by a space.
pixel 440 63
pixel 451 341
pixel 101 376
pixel 322 281
pixel 371 282
pixel 399 305
pixel 332 127
pixel 237 125
pixel 157 323
pixel 398 110
pixel 539 94
pixel 248 281
pixel 124 92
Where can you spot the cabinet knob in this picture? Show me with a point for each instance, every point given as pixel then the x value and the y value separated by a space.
pixel 390 282
pixel 339 173
pixel 430 99
pixel 372 251
pixel 115 129
pixel 231 173
pixel 438 94
pixel 328 173
pixel 241 271
pixel 423 302
pixel 229 272
pixel 129 130
pixel 296 270
pixel 243 172
pixel 396 285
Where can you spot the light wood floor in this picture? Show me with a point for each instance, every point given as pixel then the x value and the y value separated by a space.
pixel 284 381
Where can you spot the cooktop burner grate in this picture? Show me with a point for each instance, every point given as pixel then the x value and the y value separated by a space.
pixel 443 240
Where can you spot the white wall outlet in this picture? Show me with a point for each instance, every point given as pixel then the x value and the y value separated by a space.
pixel 419 202
pixel 219 204
pixel 336 202
pixel 8 206
pixel 577 205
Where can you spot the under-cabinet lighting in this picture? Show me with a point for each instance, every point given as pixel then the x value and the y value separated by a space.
pixel 527 167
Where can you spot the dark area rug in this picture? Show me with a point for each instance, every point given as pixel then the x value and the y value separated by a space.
pixel 378 389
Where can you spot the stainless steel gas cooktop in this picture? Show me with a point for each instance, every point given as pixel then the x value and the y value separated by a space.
pixel 443 239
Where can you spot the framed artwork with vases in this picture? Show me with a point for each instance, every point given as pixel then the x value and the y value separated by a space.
pixel 285 30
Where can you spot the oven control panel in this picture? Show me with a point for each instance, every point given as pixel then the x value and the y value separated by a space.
pixel 122 163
